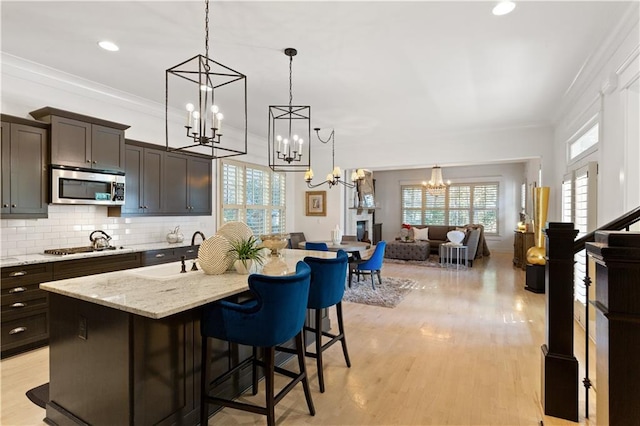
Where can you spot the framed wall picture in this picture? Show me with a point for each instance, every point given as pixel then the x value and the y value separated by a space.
pixel 316 203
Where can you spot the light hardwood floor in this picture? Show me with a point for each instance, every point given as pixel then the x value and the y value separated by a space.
pixel 463 348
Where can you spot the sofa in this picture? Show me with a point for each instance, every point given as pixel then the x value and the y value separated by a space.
pixel 428 241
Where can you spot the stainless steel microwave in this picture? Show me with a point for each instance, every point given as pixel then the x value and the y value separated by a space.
pixel 85 186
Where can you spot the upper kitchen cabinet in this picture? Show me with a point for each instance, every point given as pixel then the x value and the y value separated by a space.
pixel 24 168
pixel 143 187
pixel 82 141
pixel 187 184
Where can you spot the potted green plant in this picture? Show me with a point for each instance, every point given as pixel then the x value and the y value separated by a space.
pixel 245 252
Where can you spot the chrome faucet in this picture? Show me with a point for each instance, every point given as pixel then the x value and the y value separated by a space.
pixel 193 238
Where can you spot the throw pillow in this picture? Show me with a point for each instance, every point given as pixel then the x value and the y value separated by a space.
pixel 421 234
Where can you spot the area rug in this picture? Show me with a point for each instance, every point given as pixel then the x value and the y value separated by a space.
pixel 388 294
pixel 39 395
pixel 433 261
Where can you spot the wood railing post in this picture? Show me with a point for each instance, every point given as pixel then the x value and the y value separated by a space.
pixel 559 365
pixel 617 257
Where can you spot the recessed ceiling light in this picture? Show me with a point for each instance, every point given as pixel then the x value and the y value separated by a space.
pixel 503 8
pixel 108 45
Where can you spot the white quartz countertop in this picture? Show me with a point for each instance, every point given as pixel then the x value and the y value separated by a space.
pixel 30 259
pixel 161 290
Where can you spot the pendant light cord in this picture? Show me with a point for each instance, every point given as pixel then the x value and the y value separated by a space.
pixel 290 82
pixel 206 29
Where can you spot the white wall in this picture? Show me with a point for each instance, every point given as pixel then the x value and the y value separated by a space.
pixel 602 88
pixel 509 176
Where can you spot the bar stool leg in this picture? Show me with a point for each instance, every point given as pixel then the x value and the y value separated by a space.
pixel 318 331
pixel 254 372
pixel 269 359
pixel 300 347
pixel 343 340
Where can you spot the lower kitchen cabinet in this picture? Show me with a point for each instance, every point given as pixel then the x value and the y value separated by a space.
pixel 24 308
pixel 156 257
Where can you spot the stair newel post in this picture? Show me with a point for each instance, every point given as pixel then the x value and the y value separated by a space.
pixel 559 365
pixel 617 307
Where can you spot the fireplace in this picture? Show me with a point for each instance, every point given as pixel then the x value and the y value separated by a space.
pixel 361 229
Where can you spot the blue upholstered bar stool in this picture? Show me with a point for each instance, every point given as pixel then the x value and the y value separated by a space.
pixel 276 315
pixel 316 246
pixel 327 289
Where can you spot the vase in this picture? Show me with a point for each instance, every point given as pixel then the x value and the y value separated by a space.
pixel 241 268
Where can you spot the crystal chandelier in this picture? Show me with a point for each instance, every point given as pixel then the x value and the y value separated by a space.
pixel 334 177
pixel 436 185
pixel 202 82
pixel 288 149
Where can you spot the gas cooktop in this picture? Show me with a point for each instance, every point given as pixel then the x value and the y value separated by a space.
pixel 74 250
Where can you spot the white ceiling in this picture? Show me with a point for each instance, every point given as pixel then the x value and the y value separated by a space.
pixel 368 69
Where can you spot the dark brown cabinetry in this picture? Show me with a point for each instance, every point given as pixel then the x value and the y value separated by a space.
pixel 24 168
pixel 187 185
pixel 160 183
pixel 155 257
pixel 143 171
pixel 82 141
pixel 522 241
pixel 24 308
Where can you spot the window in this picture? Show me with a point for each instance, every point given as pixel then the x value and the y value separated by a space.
pixel 254 195
pixel 579 207
pixel 581 144
pixel 462 204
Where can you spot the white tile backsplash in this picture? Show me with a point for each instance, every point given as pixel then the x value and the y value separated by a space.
pixel 70 226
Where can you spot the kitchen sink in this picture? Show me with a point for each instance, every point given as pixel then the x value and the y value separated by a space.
pixel 166 271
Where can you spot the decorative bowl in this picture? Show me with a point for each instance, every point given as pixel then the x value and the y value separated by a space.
pixel 275 242
pixel 456 237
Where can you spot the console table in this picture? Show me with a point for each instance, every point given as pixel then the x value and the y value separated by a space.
pixel 522 241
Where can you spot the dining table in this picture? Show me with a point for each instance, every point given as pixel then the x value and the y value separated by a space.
pixel 354 249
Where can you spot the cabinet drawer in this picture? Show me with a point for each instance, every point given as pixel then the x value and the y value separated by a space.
pixel 25 330
pixel 156 257
pixel 23 276
pixel 19 305
pixel 190 252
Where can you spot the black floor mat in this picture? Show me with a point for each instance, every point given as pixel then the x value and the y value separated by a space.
pixel 39 395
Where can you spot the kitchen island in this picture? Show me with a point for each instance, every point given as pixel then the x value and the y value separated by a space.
pixel 125 346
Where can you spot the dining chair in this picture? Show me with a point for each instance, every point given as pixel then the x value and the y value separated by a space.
pixel 373 264
pixel 316 246
pixel 327 290
pixel 275 316
pixel 296 238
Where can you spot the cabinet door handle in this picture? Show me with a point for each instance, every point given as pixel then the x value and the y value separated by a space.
pixel 18 330
pixel 19 305
pixel 160 255
pixel 14 206
pixel 89 161
pixel 17 290
pixel 95 162
pixel 18 273
pixel 190 251
pixel 5 205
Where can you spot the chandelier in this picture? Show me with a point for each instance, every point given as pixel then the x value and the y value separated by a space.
pixel 436 185
pixel 334 177
pixel 289 125
pixel 203 86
